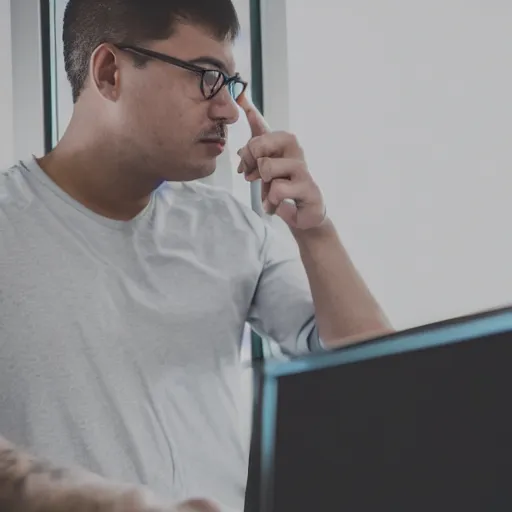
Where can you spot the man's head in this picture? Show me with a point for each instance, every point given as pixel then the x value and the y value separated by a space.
pixel 159 112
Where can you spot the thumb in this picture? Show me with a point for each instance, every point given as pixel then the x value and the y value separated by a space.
pixel 256 120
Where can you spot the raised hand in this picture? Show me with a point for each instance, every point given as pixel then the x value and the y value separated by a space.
pixel 276 158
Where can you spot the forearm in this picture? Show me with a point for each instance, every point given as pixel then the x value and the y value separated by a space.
pixel 345 309
pixel 31 485
pixel 19 472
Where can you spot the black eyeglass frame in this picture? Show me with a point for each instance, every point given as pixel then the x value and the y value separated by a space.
pixel 226 80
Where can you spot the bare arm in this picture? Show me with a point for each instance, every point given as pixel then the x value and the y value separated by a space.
pixel 19 472
pixel 345 309
pixel 30 485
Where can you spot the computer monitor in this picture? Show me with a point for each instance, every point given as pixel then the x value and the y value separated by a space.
pixel 415 421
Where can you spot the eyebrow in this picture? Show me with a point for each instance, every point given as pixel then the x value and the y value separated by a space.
pixel 212 61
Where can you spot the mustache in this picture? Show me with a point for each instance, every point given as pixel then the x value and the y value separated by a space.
pixel 219 131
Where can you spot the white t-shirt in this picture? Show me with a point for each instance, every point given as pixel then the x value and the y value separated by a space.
pixel 120 341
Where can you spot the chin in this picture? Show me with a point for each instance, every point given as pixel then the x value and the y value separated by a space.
pixel 187 167
pixel 199 172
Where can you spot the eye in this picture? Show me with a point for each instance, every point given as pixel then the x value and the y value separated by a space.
pixel 212 81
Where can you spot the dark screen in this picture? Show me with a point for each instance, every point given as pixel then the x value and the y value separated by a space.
pixel 424 430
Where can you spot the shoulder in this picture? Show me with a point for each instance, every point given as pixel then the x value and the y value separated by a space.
pixel 15 193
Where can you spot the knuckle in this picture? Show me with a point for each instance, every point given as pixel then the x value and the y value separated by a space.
pixel 277 192
pixel 265 161
pixel 303 168
pixel 242 151
pixel 265 165
pixel 291 139
pixel 254 145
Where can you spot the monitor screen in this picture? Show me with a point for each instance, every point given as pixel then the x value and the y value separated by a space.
pixel 427 429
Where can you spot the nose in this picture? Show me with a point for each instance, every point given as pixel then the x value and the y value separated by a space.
pixel 223 107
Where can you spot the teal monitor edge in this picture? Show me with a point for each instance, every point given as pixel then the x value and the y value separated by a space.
pixel 434 335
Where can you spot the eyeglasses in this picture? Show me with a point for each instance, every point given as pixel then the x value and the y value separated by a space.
pixel 212 80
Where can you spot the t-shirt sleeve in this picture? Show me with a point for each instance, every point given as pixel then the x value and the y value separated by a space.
pixel 282 306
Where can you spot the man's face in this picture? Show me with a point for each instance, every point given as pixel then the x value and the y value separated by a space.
pixel 162 117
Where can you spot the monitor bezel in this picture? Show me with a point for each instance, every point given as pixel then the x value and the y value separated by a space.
pixel 457 330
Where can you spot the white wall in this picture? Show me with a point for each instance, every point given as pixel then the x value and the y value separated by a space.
pixel 404 111
pixel 6 119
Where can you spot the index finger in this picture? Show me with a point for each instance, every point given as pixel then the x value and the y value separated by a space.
pixel 256 120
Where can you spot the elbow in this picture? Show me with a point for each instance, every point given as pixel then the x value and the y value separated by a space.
pixel 365 331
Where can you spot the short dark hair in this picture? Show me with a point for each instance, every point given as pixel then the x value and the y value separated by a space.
pixel 89 23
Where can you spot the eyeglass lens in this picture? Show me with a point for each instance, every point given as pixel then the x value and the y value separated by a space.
pixel 213 81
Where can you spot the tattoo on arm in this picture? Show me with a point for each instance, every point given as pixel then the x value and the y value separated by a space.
pixel 31 485
pixel 16 468
pixel 44 468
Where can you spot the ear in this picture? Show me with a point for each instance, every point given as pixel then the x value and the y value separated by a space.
pixel 104 71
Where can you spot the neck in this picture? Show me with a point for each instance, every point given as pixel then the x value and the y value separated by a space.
pixel 97 174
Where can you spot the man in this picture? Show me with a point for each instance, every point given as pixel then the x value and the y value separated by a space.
pixel 125 285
